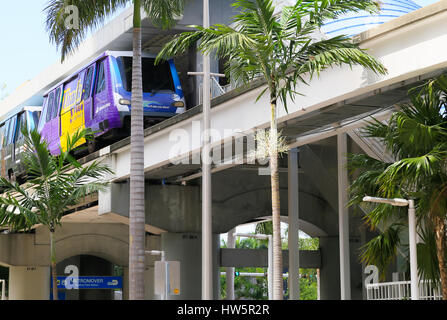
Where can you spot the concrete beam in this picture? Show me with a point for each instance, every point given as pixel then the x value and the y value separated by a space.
pixel 241 258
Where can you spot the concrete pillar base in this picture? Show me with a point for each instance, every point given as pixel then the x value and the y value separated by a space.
pixel 29 283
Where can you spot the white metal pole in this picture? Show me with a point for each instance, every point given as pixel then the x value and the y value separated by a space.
pixel 167 281
pixel 270 268
pixel 230 270
pixel 293 234
pixel 413 250
pixel 207 263
pixel 343 217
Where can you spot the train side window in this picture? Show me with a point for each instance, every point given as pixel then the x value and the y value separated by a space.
pixel 101 78
pixel 32 119
pixel 50 105
pixel 57 104
pixel 2 135
pixel 6 132
pixel 42 118
pixel 88 83
pixel 21 122
pixel 79 88
pixel 10 133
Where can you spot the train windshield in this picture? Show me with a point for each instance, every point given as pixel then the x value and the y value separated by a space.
pixel 155 78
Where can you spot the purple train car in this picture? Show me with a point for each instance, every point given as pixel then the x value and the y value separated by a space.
pixel 98 97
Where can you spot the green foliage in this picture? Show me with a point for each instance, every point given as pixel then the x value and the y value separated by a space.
pixel 55 183
pixel 309 243
pixel 257 288
pixel 265 227
pixel 92 14
pixel 277 48
pixel 381 249
pixel 416 135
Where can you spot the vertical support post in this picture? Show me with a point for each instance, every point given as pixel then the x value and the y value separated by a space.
pixel 318 285
pixel 230 270
pixel 343 217
pixel 207 262
pixel 413 250
pixel 270 268
pixel 167 281
pixel 3 290
pixel 293 197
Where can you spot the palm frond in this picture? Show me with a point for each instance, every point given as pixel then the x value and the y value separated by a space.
pixel 164 14
pixel 322 10
pixel 382 249
pixel 56 183
pixel 92 14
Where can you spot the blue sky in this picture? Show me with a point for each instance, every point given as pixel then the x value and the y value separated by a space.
pixel 26 50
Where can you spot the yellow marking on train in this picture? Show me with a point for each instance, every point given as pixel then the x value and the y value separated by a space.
pixel 71 121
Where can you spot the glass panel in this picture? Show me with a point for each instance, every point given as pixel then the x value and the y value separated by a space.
pixel 155 78
pixel 2 135
pixel 57 103
pixel 88 84
pixel 5 139
pixel 101 79
pixel 10 133
pixel 50 107
pixel 21 122
pixel 42 118
pixel 79 89
pixel 32 119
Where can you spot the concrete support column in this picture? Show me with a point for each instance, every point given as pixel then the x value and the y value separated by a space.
pixel 186 248
pixel 293 196
pixel 126 283
pixel 149 283
pixel 29 283
pixel 343 217
pixel 105 198
pixel 330 267
pixel 230 270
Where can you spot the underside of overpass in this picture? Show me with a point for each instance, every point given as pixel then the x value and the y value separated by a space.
pixel 173 216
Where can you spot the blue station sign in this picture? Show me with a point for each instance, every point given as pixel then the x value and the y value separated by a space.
pixel 90 282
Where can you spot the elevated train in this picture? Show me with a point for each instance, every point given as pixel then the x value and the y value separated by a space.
pixel 12 140
pixel 98 97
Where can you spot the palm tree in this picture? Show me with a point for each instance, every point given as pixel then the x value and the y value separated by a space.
pixel 55 183
pixel 416 135
pixel 162 13
pixel 281 50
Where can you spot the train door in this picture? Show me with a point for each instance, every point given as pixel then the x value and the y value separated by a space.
pixel 49 125
pixel 101 99
pixel 72 111
pixel 89 78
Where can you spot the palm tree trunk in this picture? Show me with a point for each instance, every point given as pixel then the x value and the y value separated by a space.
pixel 136 211
pixel 276 218
pixel 440 252
pixel 53 264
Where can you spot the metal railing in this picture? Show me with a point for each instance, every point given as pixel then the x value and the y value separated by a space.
pixel 401 290
pixel 375 145
pixel 216 89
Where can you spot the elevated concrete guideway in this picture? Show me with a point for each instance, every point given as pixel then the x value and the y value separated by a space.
pixel 411 47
